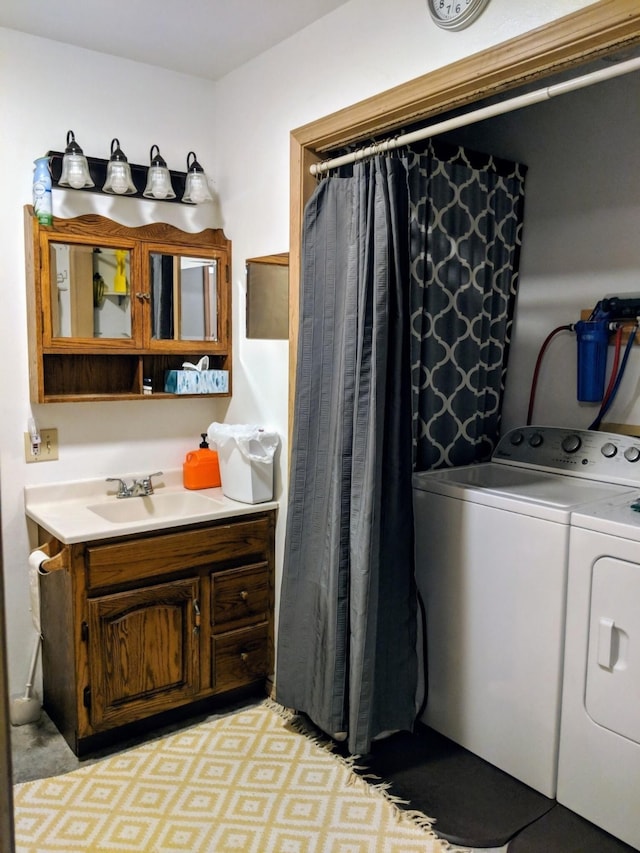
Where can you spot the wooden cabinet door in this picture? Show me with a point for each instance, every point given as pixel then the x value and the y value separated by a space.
pixel 143 651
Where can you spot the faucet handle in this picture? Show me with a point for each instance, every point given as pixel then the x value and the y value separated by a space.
pixel 123 489
pixel 147 484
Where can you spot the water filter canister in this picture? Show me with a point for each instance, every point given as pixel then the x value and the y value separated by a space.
pixel 593 341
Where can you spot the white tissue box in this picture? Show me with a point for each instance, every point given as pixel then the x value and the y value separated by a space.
pixel 196 382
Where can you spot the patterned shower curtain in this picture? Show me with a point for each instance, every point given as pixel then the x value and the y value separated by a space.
pixel 396 255
pixel 466 230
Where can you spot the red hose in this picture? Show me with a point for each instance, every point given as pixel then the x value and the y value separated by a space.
pixel 614 367
pixel 534 381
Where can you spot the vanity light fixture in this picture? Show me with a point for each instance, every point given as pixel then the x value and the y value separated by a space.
pixel 196 190
pixel 158 177
pixel 75 169
pixel 117 176
pixel 119 180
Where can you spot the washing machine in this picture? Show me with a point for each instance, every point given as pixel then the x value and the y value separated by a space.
pixel 492 544
pixel 599 763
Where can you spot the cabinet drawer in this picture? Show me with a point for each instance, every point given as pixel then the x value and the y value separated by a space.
pixel 240 657
pixel 240 596
pixel 150 556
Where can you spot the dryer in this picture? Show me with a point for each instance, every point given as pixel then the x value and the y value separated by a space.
pixel 492 544
pixel 599 762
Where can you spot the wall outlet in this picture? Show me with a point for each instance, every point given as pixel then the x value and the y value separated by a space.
pixel 48 446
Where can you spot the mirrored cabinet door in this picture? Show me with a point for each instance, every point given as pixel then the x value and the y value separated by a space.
pixel 90 291
pixel 184 297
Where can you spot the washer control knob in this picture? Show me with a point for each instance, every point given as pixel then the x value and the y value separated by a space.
pixel 516 438
pixel 632 454
pixel 571 443
pixel 535 440
pixel 609 450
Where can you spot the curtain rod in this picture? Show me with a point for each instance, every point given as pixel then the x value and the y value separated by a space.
pixel 479 115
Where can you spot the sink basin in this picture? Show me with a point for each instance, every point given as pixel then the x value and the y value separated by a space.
pixel 88 511
pixel 171 505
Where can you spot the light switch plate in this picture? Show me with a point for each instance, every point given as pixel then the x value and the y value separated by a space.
pixel 48 446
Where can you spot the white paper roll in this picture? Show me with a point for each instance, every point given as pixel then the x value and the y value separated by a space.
pixel 36 559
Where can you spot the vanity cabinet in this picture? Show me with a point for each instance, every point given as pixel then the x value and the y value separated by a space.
pixel 111 309
pixel 137 626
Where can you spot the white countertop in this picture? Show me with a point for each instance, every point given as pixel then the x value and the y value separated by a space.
pixel 64 509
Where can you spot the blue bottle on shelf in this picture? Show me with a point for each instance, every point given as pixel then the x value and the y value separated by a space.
pixel 42 202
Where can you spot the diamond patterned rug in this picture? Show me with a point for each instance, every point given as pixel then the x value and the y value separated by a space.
pixel 250 782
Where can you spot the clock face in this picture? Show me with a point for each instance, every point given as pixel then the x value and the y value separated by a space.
pixel 455 14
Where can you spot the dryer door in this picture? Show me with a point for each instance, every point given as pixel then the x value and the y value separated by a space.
pixel 613 672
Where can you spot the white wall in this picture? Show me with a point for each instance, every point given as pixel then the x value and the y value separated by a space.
pixel 49 88
pixel 582 212
pixel 240 133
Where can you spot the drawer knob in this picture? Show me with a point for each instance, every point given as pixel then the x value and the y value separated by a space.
pixel 244 595
pixel 244 657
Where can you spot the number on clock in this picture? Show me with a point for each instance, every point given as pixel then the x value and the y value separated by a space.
pixel 455 14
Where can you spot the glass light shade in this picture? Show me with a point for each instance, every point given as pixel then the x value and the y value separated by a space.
pixel 75 169
pixel 119 180
pixel 158 177
pixel 196 188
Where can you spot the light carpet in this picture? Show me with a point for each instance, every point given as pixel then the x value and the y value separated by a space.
pixel 250 782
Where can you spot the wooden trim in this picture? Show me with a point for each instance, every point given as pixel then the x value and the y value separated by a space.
pixel 621 429
pixel 563 44
pixel 281 260
pixel 599 30
pixel 302 186
pixel 93 227
pixel 6 788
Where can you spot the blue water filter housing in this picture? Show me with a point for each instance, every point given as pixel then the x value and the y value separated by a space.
pixel 593 342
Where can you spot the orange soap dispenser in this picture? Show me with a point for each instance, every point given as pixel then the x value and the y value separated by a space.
pixel 201 469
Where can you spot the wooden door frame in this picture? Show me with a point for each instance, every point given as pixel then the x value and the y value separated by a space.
pixel 6 781
pixel 604 28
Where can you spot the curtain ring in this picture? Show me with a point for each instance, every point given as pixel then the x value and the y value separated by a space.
pixel 321 170
pixel 397 149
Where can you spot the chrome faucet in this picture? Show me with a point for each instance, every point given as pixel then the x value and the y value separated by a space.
pixel 138 488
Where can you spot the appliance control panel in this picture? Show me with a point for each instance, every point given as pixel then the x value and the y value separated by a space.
pixel 583 453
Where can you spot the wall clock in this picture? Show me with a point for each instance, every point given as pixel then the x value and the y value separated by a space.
pixel 455 14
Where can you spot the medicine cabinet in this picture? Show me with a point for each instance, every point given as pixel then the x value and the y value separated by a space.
pixel 268 296
pixel 111 309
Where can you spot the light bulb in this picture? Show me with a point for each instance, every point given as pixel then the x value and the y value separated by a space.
pixel 76 172
pixel 119 181
pixel 75 168
pixel 159 188
pixel 158 177
pixel 198 188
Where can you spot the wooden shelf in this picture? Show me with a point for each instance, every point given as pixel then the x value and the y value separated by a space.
pixel 627 328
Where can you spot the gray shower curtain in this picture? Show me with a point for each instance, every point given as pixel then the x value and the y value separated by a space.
pixel 407 296
pixel 347 626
